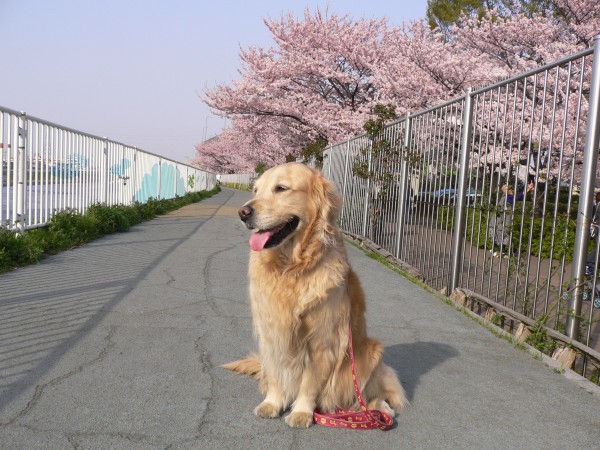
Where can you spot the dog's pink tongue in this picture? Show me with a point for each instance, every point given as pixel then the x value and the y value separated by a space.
pixel 259 239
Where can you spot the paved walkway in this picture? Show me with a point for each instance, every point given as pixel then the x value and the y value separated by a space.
pixel 117 344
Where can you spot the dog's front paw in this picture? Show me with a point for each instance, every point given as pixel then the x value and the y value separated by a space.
pixel 299 419
pixel 267 411
pixel 382 405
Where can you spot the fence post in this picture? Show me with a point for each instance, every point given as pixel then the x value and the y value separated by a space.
pixel 176 170
pixel 366 211
pixel 133 180
pixel 584 213
pixel 459 211
pixel 345 182
pixel 21 163
pixel 104 175
pixel 159 178
pixel 402 200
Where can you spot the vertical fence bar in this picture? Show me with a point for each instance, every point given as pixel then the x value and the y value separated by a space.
pixel 342 214
pixel 159 190
pixel 134 175
pixel 366 209
pixel 3 146
pixel 32 185
pixel 104 174
pixel 459 214
pixel 21 168
pixel 403 201
pixel 175 173
pixel 584 213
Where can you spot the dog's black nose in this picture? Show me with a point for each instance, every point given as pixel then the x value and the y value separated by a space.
pixel 245 212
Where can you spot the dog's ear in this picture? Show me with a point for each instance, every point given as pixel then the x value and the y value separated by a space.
pixel 321 231
pixel 326 198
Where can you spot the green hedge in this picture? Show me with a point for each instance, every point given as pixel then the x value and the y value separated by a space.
pixel 239 186
pixel 68 229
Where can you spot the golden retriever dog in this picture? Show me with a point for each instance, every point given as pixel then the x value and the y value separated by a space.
pixel 304 295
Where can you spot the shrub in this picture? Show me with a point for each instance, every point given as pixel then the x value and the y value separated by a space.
pixel 239 186
pixel 539 338
pixel 477 231
pixel 13 249
pixel 69 228
pixel 109 219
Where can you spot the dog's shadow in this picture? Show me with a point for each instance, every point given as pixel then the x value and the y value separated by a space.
pixel 412 361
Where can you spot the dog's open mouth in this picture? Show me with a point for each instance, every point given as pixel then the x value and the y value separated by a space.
pixel 272 237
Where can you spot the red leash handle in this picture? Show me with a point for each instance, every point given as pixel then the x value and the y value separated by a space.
pixel 365 419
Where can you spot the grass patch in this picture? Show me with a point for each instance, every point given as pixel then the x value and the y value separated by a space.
pixel 536 345
pixel 377 257
pixel 68 229
pixel 494 329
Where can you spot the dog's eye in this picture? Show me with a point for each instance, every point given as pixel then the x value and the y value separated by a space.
pixel 280 188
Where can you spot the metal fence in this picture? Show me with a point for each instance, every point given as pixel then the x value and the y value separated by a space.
pixel 48 168
pixel 244 179
pixel 491 193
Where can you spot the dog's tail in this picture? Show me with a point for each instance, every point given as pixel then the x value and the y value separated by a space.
pixel 248 366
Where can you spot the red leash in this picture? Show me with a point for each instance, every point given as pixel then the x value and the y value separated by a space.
pixel 365 419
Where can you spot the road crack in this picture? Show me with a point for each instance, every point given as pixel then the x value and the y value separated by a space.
pixel 41 388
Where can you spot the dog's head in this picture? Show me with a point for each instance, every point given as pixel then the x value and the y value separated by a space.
pixel 292 204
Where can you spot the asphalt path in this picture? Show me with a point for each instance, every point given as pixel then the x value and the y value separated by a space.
pixel 117 345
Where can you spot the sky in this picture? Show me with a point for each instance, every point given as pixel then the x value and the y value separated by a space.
pixel 134 71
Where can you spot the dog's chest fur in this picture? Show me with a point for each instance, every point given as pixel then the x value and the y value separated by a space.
pixel 291 317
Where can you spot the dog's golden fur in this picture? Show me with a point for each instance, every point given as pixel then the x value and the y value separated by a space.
pixel 303 295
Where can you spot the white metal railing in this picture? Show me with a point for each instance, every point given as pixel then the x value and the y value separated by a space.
pixel 440 199
pixel 48 168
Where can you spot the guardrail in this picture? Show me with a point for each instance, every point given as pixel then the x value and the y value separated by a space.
pixel 492 193
pixel 48 168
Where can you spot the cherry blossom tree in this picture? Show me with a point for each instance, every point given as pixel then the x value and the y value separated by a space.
pixel 421 68
pixel 494 46
pixel 249 142
pixel 548 104
pixel 325 74
pixel 317 82
pixel 581 17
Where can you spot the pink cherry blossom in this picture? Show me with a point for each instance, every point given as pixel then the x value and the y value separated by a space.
pixel 326 72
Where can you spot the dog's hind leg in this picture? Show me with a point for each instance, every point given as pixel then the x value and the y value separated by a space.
pixel 384 388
